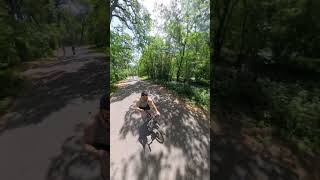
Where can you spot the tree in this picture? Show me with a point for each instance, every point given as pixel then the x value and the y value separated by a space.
pixel 183 51
pixel 134 16
pixel 121 53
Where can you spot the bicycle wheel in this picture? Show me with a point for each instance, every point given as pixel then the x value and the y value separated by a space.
pixel 159 136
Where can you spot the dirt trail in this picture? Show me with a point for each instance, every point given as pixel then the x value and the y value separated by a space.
pixel 185 152
pixel 41 134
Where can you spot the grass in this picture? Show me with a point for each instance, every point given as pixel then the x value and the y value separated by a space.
pixel 113 88
pixel 143 78
pixel 198 95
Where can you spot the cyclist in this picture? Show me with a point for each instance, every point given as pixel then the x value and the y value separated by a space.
pixel 146 103
pixel 96 136
pixel 73 50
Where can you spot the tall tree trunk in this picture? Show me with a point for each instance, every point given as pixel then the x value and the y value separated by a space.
pixel 221 29
pixel 15 9
pixel 180 63
pixel 108 58
pixel 83 24
pixel 187 71
pixel 183 51
pixel 216 40
pixel 162 71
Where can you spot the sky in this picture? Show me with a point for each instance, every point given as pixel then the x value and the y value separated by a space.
pixel 150 5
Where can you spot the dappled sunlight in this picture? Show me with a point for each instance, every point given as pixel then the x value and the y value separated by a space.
pixel 48 122
pixel 53 91
pixel 185 152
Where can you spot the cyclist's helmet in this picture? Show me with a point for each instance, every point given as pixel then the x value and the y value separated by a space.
pixel 104 102
pixel 144 93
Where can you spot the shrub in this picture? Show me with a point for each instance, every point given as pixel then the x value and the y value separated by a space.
pixel 11 83
pixel 294 109
pixel 198 95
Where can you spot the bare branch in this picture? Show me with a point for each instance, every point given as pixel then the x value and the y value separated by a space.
pixel 123 20
pixel 118 6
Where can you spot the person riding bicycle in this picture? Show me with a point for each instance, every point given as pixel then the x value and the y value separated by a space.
pixel 96 136
pixel 145 103
pixel 73 50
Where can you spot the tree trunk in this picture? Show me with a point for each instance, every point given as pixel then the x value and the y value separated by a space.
pixel 180 63
pixel 221 29
pixel 83 24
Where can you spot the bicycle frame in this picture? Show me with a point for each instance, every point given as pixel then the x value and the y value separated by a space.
pixel 155 129
pixel 155 123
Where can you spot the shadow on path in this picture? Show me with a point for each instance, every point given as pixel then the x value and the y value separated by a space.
pixel 186 130
pixel 54 89
pixel 74 163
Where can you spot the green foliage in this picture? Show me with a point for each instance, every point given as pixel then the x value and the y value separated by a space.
pixel 32 29
pixel 22 41
pixel 179 59
pixel 97 21
pixel 267 62
pixel 196 94
pixel 293 108
pixel 133 16
pixel 11 81
pixel 183 53
pixel 296 109
pixel 154 61
pixel 288 28
pixel 121 56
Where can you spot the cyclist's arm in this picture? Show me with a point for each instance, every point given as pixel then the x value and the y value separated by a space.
pixel 88 141
pixel 92 150
pixel 152 105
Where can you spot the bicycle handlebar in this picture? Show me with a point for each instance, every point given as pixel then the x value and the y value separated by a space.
pixel 149 114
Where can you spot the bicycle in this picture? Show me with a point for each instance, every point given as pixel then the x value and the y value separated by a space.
pixel 154 128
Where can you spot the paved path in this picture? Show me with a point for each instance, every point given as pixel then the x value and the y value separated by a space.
pixel 41 135
pixel 185 152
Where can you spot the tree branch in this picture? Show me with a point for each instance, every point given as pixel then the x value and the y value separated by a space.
pixel 123 20
pixel 118 6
